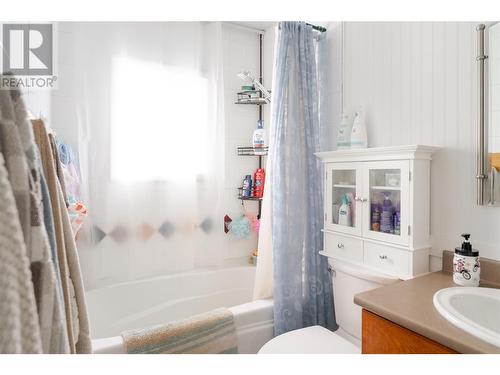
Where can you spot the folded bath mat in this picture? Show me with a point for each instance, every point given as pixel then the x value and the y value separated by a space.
pixel 213 332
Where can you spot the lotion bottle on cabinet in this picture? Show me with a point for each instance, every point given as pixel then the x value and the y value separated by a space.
pixel 359 136
pixel 344 133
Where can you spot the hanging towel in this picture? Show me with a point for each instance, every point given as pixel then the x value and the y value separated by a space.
pixel 59 171
pixel 72 284
pixel 494 186
pixel 18 145
pixel 49 226
pixel 15 163
pixel 83 341
pixel 213 332
pixel 47 284
pixel 81 323
pixel 19 329
pixel 42 141
pixel 69 168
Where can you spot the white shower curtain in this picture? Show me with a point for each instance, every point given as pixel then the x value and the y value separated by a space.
pixel 151 145
pixel 263 285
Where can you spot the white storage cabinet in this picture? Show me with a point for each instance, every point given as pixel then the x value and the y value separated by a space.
pixel 389 193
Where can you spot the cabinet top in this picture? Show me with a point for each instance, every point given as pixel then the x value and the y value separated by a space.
pixel 379 153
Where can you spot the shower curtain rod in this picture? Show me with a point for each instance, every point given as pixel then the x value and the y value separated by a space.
pixel 321 29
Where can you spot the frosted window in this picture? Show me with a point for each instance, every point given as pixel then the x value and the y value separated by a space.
pixel 158 122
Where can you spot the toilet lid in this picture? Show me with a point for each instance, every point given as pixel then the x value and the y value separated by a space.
pixel 310 340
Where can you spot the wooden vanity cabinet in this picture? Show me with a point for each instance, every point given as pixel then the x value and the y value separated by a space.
pixel 381 336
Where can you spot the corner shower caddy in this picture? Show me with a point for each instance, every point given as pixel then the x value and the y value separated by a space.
pixel 250 151
pixel 254 97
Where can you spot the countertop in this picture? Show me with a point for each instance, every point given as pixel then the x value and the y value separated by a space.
pixel 409 304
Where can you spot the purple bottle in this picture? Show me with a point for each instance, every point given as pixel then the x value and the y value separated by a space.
pixel 397 220
pixel 386 220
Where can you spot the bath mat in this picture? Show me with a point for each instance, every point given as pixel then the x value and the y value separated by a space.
pixel 213 332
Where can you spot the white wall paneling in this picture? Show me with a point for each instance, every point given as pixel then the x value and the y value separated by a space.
pixel 417 85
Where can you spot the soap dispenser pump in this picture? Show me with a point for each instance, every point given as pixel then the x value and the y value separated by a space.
pixel 466 267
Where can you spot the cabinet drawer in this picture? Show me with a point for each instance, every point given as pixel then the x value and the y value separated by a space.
pixel 386 258
pixel 342 247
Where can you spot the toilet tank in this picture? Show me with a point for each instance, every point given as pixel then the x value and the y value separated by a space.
pixel 348 280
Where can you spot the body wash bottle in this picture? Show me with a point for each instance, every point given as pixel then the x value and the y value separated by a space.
pixel 345 217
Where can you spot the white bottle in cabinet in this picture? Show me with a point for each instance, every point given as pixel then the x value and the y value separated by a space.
pixel 389 192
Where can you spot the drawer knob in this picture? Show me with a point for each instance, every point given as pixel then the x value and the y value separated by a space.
pixel 340 245
pixel 364 199
pixel 382 256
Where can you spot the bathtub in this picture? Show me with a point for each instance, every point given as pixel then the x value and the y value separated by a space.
pixel 143 303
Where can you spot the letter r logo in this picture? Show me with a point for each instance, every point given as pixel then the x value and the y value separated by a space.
pixel 27 49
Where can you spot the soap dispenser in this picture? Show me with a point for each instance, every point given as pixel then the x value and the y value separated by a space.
pixel 466 268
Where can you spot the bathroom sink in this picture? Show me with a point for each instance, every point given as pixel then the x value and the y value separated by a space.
pixel 474 310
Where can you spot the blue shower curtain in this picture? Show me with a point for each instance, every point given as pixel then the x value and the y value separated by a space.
pixel 302 285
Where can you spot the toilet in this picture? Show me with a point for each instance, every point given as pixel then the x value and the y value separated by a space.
pixel 348 280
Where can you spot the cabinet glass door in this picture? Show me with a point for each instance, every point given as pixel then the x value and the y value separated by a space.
pixel 343 188
pixel 386 201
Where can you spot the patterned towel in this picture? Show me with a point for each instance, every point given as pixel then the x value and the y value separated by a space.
pixel 19 328
pixel 20 154
pixel 213 332
pixel 72 285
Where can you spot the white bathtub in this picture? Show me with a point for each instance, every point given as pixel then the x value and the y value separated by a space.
pixel 138 304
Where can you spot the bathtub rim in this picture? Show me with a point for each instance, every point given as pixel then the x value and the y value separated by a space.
pixel 191 272
pixel 248 317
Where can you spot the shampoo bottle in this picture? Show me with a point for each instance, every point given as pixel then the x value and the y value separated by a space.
pixel 258 139
pixel 259 178
pixel 466 267
pixel 359 137
pixel 247 186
